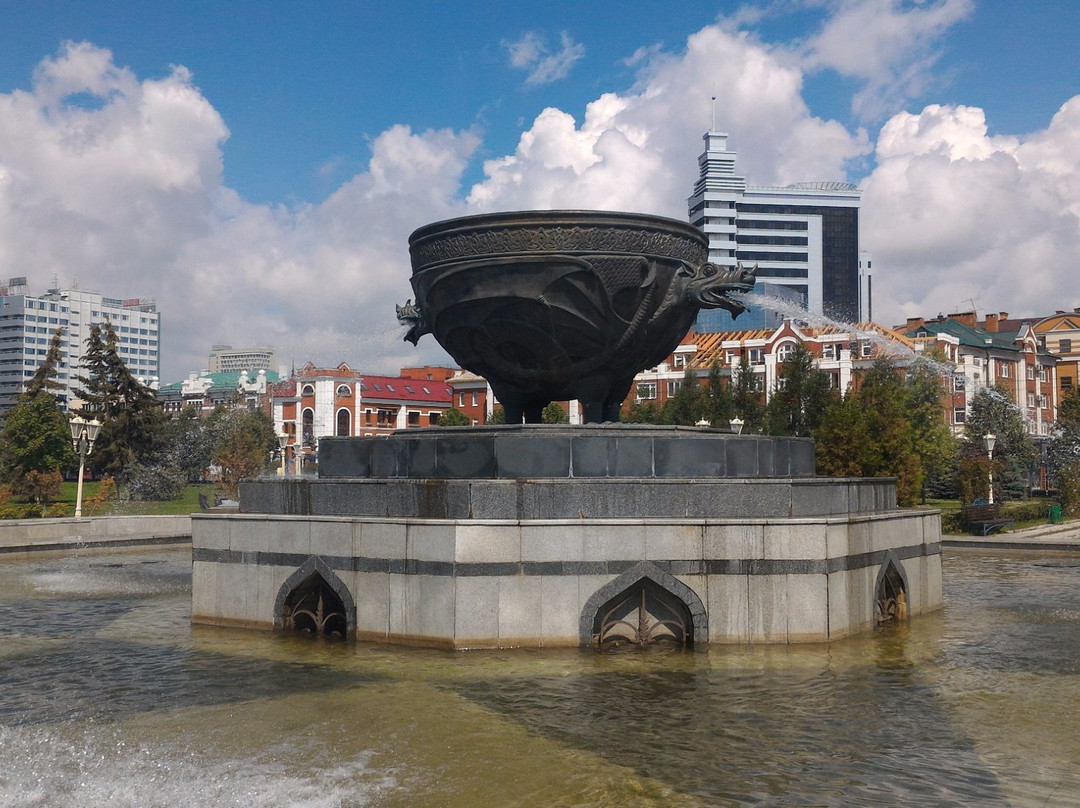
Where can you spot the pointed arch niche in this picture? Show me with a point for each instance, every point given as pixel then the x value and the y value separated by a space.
pixel 890 592
pixel 644 606
pixel 315 601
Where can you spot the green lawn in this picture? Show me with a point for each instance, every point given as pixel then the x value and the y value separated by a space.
pixel 188 503
pixel 1025 513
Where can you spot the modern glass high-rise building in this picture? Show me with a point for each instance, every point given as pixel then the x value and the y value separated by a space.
pixel 804 239
pixel 27 323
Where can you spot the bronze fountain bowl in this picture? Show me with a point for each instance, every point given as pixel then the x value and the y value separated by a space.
pixel 562 304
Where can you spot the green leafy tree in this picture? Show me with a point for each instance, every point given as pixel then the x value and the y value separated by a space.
pixel 882 397
pixel 993 412
pixel 934 442
pixel 1064 452
pixel 454 417
pixel 36 440
pixel 643 412
pixel 187 443
pixel 498 416
pixel 747 397
pixel 554 413
pixel 801 396
pixel 842 440
pixel 244 442
pixel 869 433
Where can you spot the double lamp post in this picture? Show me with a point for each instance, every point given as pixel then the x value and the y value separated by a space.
pixel 83 435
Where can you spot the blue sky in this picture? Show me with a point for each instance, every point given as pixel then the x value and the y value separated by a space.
pixel 257 167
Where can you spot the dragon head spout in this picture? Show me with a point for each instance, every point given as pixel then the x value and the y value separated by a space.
pixel 412 317
pixel 709 286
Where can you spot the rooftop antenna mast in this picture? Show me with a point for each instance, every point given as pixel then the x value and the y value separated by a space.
pixel 713 129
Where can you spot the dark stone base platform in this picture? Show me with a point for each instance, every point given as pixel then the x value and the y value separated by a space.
pixel 568 499
pixel 536 451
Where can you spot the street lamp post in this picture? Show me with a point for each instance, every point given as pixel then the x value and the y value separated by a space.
pixel 990 440
pixel 83 435
pixel 736 425
pixel 283 442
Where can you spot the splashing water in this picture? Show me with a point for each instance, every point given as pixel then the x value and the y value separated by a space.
pixel 889 347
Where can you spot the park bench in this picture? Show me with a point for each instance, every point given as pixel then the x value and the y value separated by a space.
pixel 984 518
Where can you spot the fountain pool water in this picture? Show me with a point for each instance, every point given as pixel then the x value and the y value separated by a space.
pixel 111 697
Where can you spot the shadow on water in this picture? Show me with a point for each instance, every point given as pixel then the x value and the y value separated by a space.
pixel 869 735
pixel 109 680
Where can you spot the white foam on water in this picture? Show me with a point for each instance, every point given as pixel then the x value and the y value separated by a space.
pixel 45 770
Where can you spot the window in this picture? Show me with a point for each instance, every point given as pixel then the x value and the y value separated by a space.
pixel 461 399
pixel 646 391
pixel 344 390
pixel 866 348
pixel 958 382
pixel 1064 346
pixel 1003 369
pixel 1040 401
pixel 433 418
pixel 387 417
pixel 413 418
pixel 1031 399
pixel 678 361
pixel 959 415
pixel 1030 372
pixel 474 398
pixel 1042 374
pixel 309 390
pixel 308 419
pixel 785 352
pixel 1066 383
pixel 757 356
pixel 342 423
pixel 673 387
pixel 828 351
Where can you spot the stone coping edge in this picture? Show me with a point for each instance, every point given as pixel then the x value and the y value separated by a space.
pixel 455 569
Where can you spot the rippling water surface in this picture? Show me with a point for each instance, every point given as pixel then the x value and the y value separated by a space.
pixel 108 696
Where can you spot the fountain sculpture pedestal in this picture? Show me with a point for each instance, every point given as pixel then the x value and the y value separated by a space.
pixel 621 533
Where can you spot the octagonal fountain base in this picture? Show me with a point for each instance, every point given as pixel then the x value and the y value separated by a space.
pixel 637 535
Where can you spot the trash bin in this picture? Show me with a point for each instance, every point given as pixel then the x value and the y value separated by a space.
pixel 1055 515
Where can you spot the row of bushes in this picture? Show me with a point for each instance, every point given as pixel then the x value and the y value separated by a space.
pixel 31 510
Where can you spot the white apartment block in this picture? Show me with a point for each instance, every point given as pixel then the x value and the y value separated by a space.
pixel 27 323
pixel 226 359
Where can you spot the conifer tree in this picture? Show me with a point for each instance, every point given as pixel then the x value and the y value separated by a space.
pixel 720 407
pixel 802 393
pixel 45 377
pixel 746 396
pixel 689 404
pixel 132 419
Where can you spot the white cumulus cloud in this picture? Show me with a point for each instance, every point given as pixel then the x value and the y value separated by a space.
pixel 958 219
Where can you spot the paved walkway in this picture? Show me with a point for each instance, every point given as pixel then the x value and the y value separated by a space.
pixel 1065 536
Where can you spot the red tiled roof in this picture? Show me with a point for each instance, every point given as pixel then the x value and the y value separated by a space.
pixel 403 388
